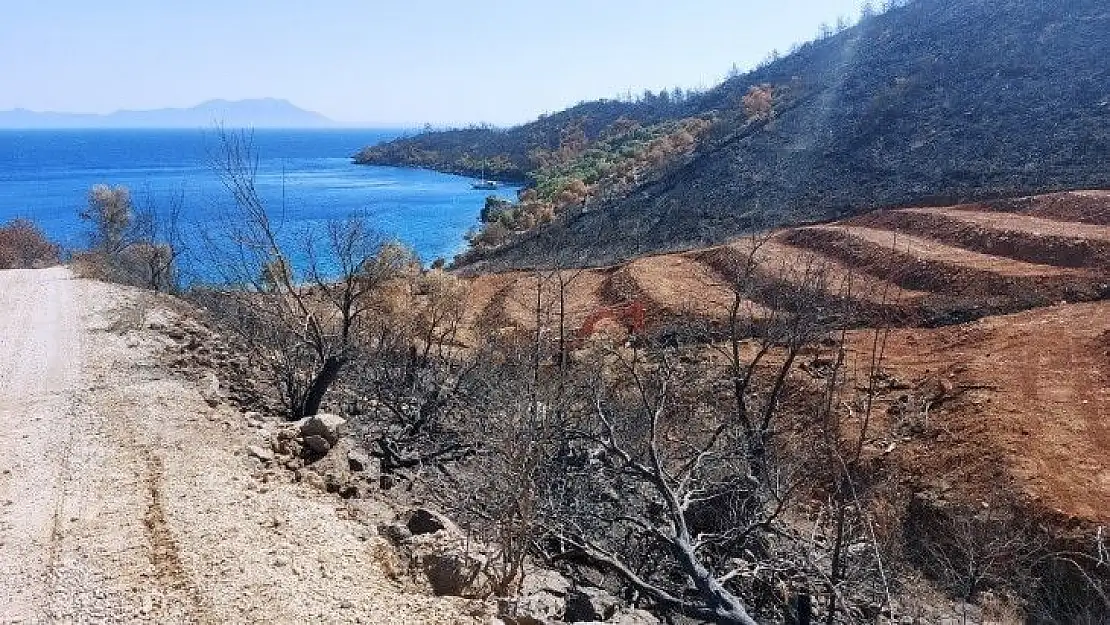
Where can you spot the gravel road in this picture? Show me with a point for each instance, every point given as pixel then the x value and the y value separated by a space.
pixel 124 497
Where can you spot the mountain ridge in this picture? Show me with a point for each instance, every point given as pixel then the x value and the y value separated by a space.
pixel 255 113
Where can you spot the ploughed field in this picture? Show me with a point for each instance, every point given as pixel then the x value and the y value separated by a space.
pixel 999 318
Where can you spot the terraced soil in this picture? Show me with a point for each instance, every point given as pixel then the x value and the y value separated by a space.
pixel 1021 237
pixel 999 338
pixel 1017 403
pixel 925 250
pixel 681 286
pixel 510 299
pixel 1037 226
pixel 785 276
pixel 1086 207
pixel 908 267
pixel 963 283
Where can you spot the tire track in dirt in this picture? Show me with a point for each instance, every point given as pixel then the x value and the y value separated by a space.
pixel 165 554
pixel 126 498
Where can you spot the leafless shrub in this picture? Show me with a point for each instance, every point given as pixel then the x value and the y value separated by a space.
pixel 301 321
pixel 998 548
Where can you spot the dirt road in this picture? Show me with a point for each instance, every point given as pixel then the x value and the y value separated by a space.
pixel 124 497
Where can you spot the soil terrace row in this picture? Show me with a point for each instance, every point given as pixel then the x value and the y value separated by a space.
pixel 907 267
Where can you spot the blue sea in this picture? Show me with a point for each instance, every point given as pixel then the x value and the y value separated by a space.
pixel 305 178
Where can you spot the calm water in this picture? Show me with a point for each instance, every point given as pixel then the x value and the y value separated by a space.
pixel 305 177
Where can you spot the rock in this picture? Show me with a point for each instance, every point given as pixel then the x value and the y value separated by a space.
pixel 313 479
pixel 425 521
pixel 545 580
pixel 318 444
pixel 327 426
pixel 347 491
pixel 537 609
pixel 454 573
pixel 332 466
pixel 360 461
pixel 210 389
pixel 628 616
pixel 265 455
pixel 542 599
pixel 590 604
pixel 450 563
pixel 396 533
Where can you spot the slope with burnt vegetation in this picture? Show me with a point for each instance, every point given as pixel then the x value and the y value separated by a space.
pixel 937 102
pixel 983 440
pixel 760 431
pixel 509 154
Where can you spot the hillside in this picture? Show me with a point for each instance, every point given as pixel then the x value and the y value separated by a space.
pixel 937 102
pixel 508 154
pixel 981 428
pixel 994 275
pixel 993 322
pixel 260 113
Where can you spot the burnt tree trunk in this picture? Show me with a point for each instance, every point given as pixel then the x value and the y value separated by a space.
pixel 320 385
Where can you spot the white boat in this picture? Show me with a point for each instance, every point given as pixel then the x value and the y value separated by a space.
pixel 486 185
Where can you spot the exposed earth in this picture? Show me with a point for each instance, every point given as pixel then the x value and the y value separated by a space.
pixel 1002 304
pixel 126 497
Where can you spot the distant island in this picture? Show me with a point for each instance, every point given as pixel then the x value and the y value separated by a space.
pixel 256 113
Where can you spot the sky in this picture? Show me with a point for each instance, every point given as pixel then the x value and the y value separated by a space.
pixel 397 63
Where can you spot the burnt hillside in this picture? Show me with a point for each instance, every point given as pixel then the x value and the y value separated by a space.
pixel 506 153
pixel 940 101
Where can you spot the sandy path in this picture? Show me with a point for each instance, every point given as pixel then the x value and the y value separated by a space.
pixel 38 370
pixel 125 498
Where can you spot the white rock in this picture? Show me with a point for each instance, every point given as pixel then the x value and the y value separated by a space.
pixel 210 388
pixel 265 455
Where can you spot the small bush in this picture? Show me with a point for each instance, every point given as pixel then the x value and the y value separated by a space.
pixel 24 246
pixel 759 103
pixel 137 247
pixel 141 264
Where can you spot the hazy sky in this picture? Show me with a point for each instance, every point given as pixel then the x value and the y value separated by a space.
pixel 398 62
